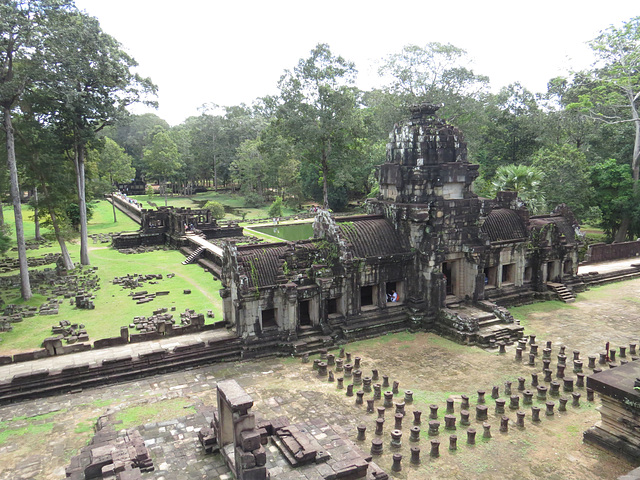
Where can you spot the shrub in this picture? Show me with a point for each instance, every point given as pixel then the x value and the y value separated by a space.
pixel 275 210
pixel 216 209
pixel 253 200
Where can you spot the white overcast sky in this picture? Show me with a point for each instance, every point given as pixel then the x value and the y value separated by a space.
pixel 231 52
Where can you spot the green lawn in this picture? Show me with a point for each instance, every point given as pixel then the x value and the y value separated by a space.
pixel 114 307
pixel 233 201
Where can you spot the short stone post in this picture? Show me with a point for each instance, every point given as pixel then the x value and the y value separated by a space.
pixel 521 381
pixel 568 385
pixel 534 379
pixel 339 365
pixel 590 395
pixel 370 403
pixel 520 418
pixel 357 377
pixel 366 384
pixel 331 359
pixel 453 442
pixel 577 366
pixel 434 427
pixel 562 407
pixel 542 392
pixel 495 392
pixel 471 436
pixel 396 386
pixel 486 430
pixel 481 412
pixel 359 397
pixel 518 354
pixel 398 419
pixel 575 399
pixel 416 417
pixel 361 433
pixel 377 446
pixel 400 407
pixel 548 375
pixel 504 424
pixel 340 383
pixel 433 411
pixel 356 362
pixel 527 397
pixel 350 390
pixel 379 426
pixel 554 388
pixel 449 422
pixel 507 389
pixel 450 405
pixel 464 417
pixel 385 381
pixel 396 439
pixel 377 391
pixel 348 370
pixel 408 397
pixel 435 448
pixel 481 394
pixel 464 405
pixel 388 399
pixel 500 403
pixel 592 361
pixel 374 375
pixel 381 411
pixel 397 462
pixel 415 455
pixel 535 414
pixel 549 406
pixel 514 404
pixel 560 371
pixel 415 434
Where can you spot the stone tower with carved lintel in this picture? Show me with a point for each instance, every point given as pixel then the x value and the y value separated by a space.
pixel 425 190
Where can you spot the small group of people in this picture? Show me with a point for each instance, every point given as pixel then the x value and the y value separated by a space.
pixel 392 297
pixel 314 209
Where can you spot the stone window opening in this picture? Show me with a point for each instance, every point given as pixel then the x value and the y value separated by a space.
pixel 490 277
pixel 568 267
pixel 368 296
pixel 269 318
pixel 528 274
pixel 509 273
pixel 304 313
pixel 394 292
pixel 332 306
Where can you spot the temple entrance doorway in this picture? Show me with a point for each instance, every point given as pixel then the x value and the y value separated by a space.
pixel 449 276
pixel 305 314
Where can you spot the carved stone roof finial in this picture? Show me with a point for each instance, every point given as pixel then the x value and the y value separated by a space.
pixel 425 108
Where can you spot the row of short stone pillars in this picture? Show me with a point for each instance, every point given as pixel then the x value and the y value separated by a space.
pixel 353 370
pixel 604 357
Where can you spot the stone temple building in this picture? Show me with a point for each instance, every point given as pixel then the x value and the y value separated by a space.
pixel 430 254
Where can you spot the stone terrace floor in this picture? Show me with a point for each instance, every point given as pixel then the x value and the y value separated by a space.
pixel 47 432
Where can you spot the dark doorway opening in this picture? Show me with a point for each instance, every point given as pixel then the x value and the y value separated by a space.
pixel 305 316
pixel 366 295
pixel 446 269
pixel 332 306
pixel 269 318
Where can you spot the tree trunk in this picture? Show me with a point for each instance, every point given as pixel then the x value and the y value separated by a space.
pixel 325 185
pixel 635 162
pixel 25 284
pixel 1 212
pixel 78 159
pixel 36 215
pixel 215 173
pixel 164 187
pixel 621 234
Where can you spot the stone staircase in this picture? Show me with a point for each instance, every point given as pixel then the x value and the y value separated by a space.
pixel 196 253
pixel 310 340
pixel 562 291
pixel 478 324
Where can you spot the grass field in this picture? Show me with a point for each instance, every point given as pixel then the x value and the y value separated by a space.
pixel 233 202
pixel 114 307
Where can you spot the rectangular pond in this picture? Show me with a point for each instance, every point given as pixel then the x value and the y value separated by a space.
pixel 291 232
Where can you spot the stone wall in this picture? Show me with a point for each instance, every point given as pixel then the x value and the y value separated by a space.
pixel 603 252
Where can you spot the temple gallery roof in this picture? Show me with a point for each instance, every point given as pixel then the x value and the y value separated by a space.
pixel 373 237
pixel 503 224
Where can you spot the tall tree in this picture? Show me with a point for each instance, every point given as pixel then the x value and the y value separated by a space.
pixel 162 159
pixel 616 98
pixel 319 111
pixel 24 27
pixel 114 165
pixel 87 88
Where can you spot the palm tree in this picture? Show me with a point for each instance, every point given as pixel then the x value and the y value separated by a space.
pixel 524 180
